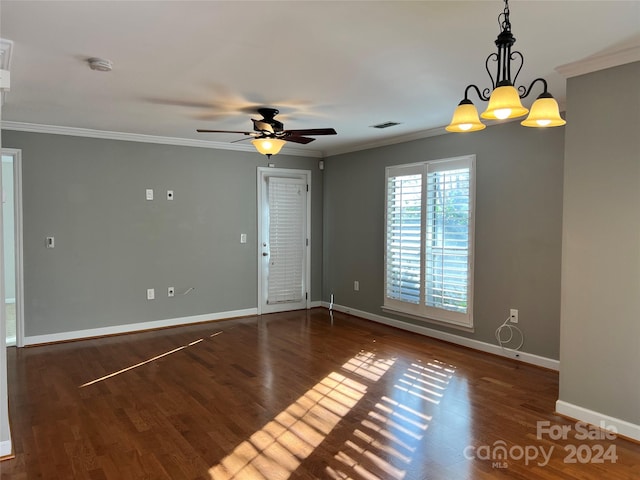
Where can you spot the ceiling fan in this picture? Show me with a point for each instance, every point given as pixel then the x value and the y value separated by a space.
pixel 269 134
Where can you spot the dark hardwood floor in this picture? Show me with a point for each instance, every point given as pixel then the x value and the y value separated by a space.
pixel 297 395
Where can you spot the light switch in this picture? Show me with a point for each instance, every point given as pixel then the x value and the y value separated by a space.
pixel 50 242
pixel 243 238
pixel 149 194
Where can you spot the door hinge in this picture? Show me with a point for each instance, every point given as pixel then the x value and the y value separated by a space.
pixel 307 242
pixel 307 187
pixel 306 295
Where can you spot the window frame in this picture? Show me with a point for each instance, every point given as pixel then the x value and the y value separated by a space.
pixel 421 311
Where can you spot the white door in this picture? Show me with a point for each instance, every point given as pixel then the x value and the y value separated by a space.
pixel 283 239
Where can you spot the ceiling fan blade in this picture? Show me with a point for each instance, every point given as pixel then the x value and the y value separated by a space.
pixel 312 131
pixel 298 139
pixel 222 131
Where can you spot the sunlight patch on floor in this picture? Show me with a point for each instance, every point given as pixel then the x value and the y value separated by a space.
pixel 414 382
pixel 277 450
pixel 365 365
pixel 384 445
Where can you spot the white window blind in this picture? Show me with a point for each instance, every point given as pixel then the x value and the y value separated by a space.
pixel 447 242
pixel 429 240
pixel 287 205
pixel 404 206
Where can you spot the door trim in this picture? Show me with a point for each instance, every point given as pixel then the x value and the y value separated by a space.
pixel 18 240
pixel 284 173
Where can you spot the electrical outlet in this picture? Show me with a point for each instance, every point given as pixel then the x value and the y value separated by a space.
pixel 151 293
pixel 171 292
pixel 356 285
pixel 513 315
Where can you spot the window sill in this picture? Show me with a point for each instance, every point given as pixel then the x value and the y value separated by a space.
pixel 442 323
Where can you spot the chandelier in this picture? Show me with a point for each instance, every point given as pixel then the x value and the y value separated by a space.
pixel 503 96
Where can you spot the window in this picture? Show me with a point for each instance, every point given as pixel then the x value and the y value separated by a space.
pixel 429 240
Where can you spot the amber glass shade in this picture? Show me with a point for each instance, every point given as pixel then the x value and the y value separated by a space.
pixel 544 113
pixel 504 103
pixel 268 146
pixel 465 119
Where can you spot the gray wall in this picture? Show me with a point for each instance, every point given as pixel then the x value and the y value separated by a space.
pixel 112 244
pixel 518 227
pixel 600 327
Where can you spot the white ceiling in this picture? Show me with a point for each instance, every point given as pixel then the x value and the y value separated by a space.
pixel 182 65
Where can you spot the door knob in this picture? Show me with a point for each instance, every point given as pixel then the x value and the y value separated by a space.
pixel 265 254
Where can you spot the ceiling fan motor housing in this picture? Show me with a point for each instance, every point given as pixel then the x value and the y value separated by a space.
pixel 268 115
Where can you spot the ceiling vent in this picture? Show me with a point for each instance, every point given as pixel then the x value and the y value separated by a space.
pixel 100 64
pixel 385 125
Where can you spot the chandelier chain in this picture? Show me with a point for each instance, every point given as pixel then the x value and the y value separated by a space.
pixel 503 18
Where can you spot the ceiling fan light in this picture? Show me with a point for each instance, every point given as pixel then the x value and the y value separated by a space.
pixel 465 118
pixel 268 146
pixel 504 103
pixel 544 113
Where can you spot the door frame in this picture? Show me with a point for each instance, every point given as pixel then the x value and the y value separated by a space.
pixel 18 240
pixel 262 173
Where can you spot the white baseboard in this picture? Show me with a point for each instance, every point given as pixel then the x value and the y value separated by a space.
pixel 452 338
pixel 135 327
pixel 315 304
pixel 5 448
pixel 624 428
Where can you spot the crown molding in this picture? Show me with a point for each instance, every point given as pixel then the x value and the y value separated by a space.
pixel 137 137
pixel 601 61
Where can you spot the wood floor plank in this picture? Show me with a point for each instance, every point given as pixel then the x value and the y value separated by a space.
pixel 299 395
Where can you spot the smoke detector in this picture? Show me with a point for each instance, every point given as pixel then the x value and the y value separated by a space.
pixel 100 64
